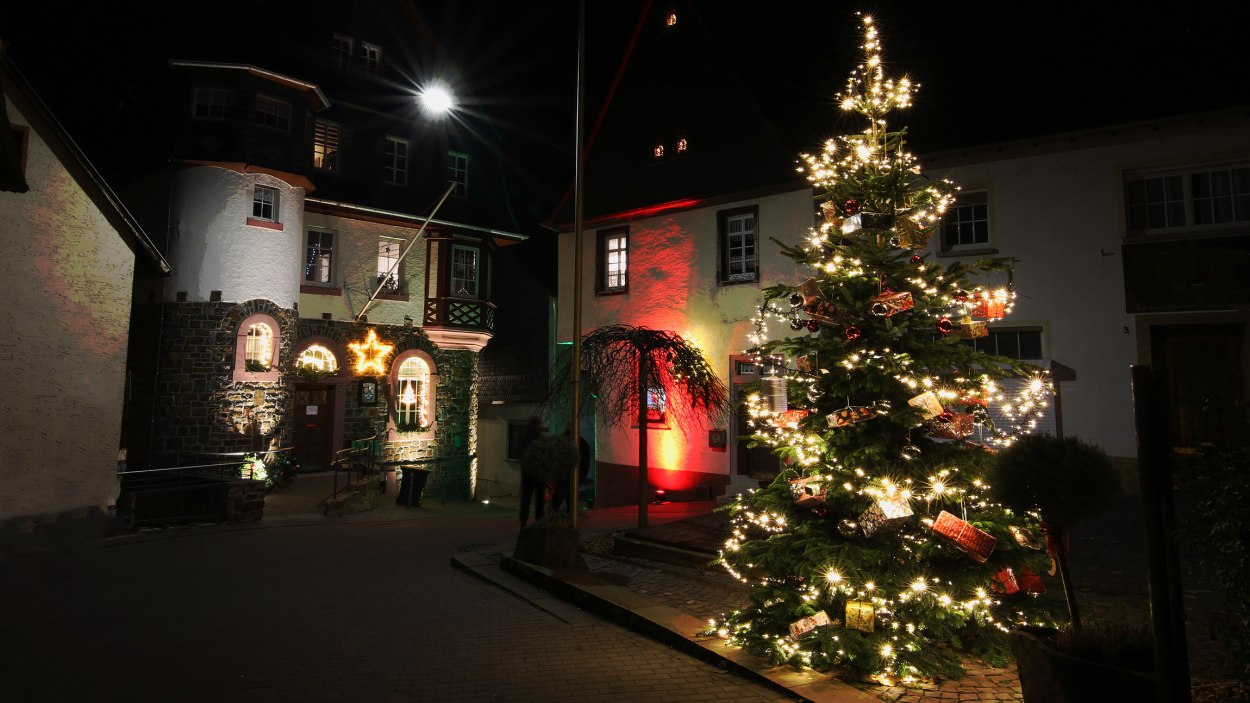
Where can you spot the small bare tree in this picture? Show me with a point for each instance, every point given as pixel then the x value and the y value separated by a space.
pixel 624 363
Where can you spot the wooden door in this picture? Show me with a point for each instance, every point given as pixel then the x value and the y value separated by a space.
pixel 314 426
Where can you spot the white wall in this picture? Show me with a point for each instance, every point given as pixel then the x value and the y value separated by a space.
pixel 1059 210
pixel 66 319
pixel 673 286
pixel 213 247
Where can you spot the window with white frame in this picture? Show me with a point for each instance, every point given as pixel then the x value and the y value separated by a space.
pixel 1191 199
pixel 396 161
pixel 327 136
pixel 265 203
pixel 413 395
pixel 739 245
pixel 1024 343
pixel 272 112
pixel 319 257
pixel 464 271
pixel 389 275
pixel 370 58
pixel 258 350
pixel 210 103
pixel 458 172
pixel 966 224
pixel 613 263
pixel 341 51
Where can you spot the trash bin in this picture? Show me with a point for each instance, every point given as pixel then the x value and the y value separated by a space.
pixel 412 482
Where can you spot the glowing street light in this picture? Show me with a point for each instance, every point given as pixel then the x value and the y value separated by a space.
pixel 437 99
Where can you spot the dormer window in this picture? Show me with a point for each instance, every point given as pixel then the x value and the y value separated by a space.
pixel 341 48
pixel 657 151
pixel 370 58
pixel 682 145
pixel 670 18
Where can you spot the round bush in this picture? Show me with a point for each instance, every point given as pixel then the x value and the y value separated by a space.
pixel 549 459
pixel 1063 477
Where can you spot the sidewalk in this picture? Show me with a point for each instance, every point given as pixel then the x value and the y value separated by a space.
pixel 668 591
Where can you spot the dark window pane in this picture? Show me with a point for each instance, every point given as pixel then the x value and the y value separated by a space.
pixel 1031 345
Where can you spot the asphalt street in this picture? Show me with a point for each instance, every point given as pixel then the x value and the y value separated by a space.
pixel 367 611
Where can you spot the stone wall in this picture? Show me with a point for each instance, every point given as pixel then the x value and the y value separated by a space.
pixel 183 399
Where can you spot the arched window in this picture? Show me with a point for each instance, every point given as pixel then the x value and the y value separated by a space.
pixel 317 359
pixel 256 349
pixel 413 395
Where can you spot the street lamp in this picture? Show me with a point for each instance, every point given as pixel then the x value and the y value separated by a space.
pixel 436 99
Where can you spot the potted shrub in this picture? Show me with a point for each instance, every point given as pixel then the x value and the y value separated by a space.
pixel 550 542
pixel 1064 479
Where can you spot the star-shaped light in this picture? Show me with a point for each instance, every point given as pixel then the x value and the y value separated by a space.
pixel 370 354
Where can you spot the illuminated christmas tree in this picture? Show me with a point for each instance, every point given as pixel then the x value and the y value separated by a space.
pixel 877 547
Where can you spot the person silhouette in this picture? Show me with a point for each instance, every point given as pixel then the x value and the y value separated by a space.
pixel 563 487
pixel 531 488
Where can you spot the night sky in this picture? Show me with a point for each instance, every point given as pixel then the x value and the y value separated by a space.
pixel 989 71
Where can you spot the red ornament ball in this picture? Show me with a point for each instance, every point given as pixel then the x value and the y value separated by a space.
pixel 946 416
pixel 961 296
pixel 812 325
pixel 852 332
pixel 916 258
pixel 945 325
pixel 851 207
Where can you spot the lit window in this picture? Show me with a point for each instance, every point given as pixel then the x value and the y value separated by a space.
pixel 1194 198
pixel 966 224
pixel 318 359
pixel 464 271
pixel 396 160
pixel 319 257
pixel 458 172
pixel 258 353
pixel 739 246
pixel 370 58
pixel 265 203
pixel 341 51
pixel 273 113
pixel 412 395
pixel 682 145
pixel 658 151
pixel 670 20
pixel 388 269
pixel 614 261
pixel 657 406
pixel 210 103
pixel 326 138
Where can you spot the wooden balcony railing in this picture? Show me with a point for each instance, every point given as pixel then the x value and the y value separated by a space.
pixel 460 313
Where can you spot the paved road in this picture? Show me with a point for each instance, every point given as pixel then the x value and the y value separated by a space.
pixel 331 612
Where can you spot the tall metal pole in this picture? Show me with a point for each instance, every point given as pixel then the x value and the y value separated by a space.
pixel 579 162
pixel 404 253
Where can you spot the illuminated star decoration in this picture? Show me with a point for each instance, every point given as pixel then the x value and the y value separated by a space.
pixel 370 354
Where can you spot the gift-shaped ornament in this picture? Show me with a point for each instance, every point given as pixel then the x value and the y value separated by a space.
pixel 802 626
pixel 969 328
pixel 810 491
pixel 974 542
pixel 928 405
pixel 850 415
pixel 789 419
pixel 885 514
pixel 1005 581
pixel 1029 581
pixel 807 363
pixel 910 234
pixel 891 303
pixel 987 306
pixel 959 426
pixel 814 304
pixel 829 212
pixel 860 615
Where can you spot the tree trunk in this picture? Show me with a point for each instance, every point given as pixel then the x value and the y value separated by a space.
pixel 644 492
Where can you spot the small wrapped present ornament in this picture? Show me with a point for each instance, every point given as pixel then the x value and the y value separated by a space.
pixel 959 426
pixel 807 363
pixel 910 234
pixel 810 491
pixel 850 415
pixel 891 303
pixel 885 514
pixel 969 328
pixel 802 626
pixel 974 542
pixel 860 615
pixel 928 405
pixel 815 305
pixel 987 306
pixel 1029 581
pixel 1005 582
pixel 789 419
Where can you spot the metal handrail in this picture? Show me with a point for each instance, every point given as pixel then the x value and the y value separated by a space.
pixel 207 466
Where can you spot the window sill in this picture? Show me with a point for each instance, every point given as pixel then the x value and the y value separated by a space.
pixel 612 292
pixel 980 251
pixel 265 224
pixel 320 290
pixel 401 297
pixel 255 376
pixel 723 282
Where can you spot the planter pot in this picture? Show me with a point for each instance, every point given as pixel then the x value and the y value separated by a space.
pixel 411 485
pixel 1048 675
pixel 547 545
